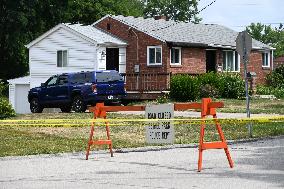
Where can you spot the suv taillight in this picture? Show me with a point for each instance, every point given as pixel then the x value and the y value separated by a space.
pixel 94 88
pixel 124 86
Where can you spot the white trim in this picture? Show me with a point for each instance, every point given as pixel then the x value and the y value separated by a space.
pixel 172 64
pixel 148 55
pixel 20 80
pixel 57 27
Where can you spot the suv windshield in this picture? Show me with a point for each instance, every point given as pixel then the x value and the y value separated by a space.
pixel 108 77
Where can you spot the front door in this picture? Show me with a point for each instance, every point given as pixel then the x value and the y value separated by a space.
pixel 210 61
pixel 112 59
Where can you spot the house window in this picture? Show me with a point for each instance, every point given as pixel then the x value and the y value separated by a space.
pixel 176 56
pixel 231 61
pixel 265 59
pixel 62 58
pixel 154 55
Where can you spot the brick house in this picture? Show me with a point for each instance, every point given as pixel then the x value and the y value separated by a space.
pixel 278 61
pixel 158 48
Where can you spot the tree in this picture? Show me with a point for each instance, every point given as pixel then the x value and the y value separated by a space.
pixel 21 21
pixel 178 10
pixel 268 35
pixel 88 11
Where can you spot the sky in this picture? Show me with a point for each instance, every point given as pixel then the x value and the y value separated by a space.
pixel 237 14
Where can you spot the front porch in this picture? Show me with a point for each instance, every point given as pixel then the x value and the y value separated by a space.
pixel 146 86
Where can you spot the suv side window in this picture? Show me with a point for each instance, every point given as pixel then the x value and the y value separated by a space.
pixel 51 81
pixel 78 78
pixel 89 77
pixel 108 77
pixel 63 80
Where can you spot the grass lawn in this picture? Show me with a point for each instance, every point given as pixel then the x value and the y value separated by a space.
pixel 26 140
pixel 257 106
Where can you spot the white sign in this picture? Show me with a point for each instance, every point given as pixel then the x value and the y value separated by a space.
pixel 160 131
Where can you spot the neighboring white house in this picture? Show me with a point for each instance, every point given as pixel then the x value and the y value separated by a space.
pixel 68 48
pixel 18 94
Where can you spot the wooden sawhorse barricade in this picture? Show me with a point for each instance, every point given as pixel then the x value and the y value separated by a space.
pixel 207 107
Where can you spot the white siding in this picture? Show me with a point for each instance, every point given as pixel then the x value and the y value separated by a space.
pixel 43 56
pixel 12 95
pixel 18 97
pixel 22 105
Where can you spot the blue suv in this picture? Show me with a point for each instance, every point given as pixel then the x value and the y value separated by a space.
pixel 75 91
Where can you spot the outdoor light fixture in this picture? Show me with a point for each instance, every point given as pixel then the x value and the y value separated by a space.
pixel 103 54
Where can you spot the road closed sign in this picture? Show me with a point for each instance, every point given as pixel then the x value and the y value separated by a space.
pixel 161 131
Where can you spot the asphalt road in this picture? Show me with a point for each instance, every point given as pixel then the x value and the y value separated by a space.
pixel 258 165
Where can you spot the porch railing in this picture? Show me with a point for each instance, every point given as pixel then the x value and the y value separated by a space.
pixel 147 81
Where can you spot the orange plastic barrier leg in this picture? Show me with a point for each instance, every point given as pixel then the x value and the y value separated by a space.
pixel 205 111
pixel 99 114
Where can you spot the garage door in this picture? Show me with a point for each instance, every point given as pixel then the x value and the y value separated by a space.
pixel 22 105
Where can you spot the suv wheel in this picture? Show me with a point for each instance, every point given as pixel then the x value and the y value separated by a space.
pixel 35 107
pixel 66 109
pixel 78 105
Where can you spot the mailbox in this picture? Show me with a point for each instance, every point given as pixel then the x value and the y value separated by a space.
pixel 251 74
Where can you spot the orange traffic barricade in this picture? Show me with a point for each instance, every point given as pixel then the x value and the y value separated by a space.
pixel 99 113
pixel 207 107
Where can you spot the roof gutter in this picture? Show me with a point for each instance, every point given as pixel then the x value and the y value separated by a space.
pixel 185 44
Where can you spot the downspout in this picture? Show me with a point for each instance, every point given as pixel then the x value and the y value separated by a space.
pixel 272 62
pixel 137 60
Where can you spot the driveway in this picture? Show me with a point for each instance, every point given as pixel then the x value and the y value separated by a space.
pixel 258 164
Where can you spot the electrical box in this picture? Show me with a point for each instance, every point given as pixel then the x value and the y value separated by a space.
pixel 136 68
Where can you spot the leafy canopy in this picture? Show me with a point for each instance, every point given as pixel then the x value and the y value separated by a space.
pixel 268 35
pixel 179 10
pixel 24 20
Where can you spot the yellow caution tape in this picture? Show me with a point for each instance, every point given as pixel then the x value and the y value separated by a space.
pixel 124 122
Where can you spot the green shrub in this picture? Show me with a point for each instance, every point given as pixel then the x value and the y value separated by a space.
pixel 276 78
pixel 209 85
pixel 6 109
pixel 264 90
pixel 163 99
pixel 184 88
pixel 278 92
pixel 3 88
pixel 231 86
pixel 208 90
pixel 189 88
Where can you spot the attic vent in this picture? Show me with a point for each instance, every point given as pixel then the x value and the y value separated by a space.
pixel 108 26
pixel 160 17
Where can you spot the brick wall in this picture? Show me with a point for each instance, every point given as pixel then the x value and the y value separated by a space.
pixel 255 65
pixel 193 61
pixel 132 36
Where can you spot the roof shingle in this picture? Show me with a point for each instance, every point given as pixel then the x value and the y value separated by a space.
pixel 188 33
